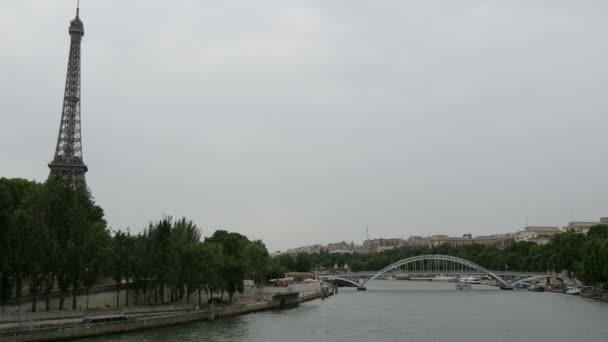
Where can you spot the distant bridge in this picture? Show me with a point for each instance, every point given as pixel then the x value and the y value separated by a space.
pixel 368 274
pixel 435 264
pixel 333 277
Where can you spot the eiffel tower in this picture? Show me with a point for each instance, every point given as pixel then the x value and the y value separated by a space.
pixel 68 161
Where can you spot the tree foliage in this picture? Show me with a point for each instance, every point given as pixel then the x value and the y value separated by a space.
pixel 50 233
pixel 54 237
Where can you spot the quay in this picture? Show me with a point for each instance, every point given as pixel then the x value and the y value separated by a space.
pixel 61 325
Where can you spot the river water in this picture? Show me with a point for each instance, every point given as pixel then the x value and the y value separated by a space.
pixel 406 311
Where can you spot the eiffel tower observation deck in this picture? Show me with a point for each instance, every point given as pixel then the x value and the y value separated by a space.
pixel 68 160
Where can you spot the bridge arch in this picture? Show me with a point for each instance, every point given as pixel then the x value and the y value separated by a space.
pixel 448 258
pixel 333 277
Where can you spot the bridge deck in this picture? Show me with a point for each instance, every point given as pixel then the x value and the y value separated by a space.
pixel 470 272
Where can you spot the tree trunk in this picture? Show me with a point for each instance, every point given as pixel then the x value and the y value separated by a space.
pixel 61 295
pixel 47 300
pixel 199 297
pixel 62 288
pixel 127 295
pixel 34 302
pixel 48 287
pixel 18 288
pixel 74 295
pixel 87 290
pixel 136 295
pixel 34 288
pixel 118 294
pixel 4 288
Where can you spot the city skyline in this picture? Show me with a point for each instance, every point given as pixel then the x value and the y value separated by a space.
pixel 298 126
pixel 539 234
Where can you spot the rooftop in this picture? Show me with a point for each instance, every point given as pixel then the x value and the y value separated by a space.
pixel 542 229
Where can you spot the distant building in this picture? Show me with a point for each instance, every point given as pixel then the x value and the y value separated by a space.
pixel 418 241
pixel 542 230
pixel 538 234
pixel 580 227
pixel 380 245
pixel 361 249
pixel 341 247
pixel 541 235
pixel 312 249
pixel 467 239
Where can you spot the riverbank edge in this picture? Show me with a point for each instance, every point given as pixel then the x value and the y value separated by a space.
pixel 73 332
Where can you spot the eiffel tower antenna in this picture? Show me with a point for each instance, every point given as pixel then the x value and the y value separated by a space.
pixel 67 161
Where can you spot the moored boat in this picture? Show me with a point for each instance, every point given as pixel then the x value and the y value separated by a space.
pixel 573 290
pixel 442 277
pixel 536 288
pixel 470 280
pixel 520 286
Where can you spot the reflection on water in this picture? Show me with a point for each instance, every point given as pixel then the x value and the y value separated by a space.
pixel 407 311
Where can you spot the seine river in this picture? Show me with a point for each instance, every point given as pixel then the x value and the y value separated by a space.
pixel 407 311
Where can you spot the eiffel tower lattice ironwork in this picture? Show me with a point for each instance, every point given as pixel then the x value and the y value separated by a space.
pixel 68 161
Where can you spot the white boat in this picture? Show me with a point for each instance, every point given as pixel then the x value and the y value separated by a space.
pixel 573 290
pixel 470 280
pixel 391 278
pixel 442 277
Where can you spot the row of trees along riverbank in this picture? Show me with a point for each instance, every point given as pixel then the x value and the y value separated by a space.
pixel 54 236
pixel 583 256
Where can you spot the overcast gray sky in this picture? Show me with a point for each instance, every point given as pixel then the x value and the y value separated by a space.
pixel 300 122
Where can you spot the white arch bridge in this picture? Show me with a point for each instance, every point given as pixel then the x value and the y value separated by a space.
pixel 440 263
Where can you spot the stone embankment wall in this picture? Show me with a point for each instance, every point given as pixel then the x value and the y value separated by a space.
pixel 175 314
pixel 49 334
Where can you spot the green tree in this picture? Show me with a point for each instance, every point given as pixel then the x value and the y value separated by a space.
pixel 599 231
pixel 303 262
pixel 594 265
pixel 255 256
pixel 118 261
pixel 164 258
pixel 568 247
